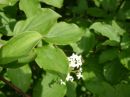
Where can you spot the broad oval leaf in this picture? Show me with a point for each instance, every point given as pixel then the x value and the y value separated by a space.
pixel 108 55
pixel 30 7
pixel 86 43
pixel 19 46
pixel 95 83
pixel 114 72
pixel 41 22
pixel 28 58
pixel 49 86
pixel 106 30
pixel 21 77
pixel 100 88
pixel 52 59
pixel 4 3
pixel 122 90
pixel 55 3
pixel 63 33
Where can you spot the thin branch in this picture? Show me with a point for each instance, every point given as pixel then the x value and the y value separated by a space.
pixel 14 87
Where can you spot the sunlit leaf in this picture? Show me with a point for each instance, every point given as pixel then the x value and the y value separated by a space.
pixel 19 46
pixel 26 5
pixel 52 59
pixel 55 3
pixel 63 33
pixel 4 3
pixel 41 22
pixel 106 30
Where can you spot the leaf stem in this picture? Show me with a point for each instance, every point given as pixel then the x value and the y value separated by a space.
pixel 14 87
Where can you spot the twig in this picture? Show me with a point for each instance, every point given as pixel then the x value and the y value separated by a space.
pixel 14 87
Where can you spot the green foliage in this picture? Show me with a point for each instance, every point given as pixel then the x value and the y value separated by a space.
pixel 107 31
pixel 47 59
pixel 18 46
pixel 21 77
pixel 33 5
pixel 49 86
pixel 58 3
pixel 38 36
pixel 63 33
pixel 45 18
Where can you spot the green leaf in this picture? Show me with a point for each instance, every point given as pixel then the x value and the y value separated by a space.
pixel 21 77
pixel 106 30
pixel 41 22
pixel 30 57
pixel 125 58
pixel 100 88
pixel 52 59
pixel 127 14
pixel 114 72
pixel 71 89
pixel 111 43
pixel 86 43
pixel 4 3
pixel 117 28
pixel 63 33
pixel 125 43
pixel 97 86
pixel 30 7
pixel 2 94
pixel 94 81
pixel 19 46
pixel 49 86
pixel 97 2
pixel 109 5
pixel 124 12
pixel 76 48
pixel 7 23
pixel 96 12
pixel 81 7
pixel 122 90
pixel 108 55
pixel 55 3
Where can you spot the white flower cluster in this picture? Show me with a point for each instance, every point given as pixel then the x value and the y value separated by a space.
pixel 69 77
pixel 75 63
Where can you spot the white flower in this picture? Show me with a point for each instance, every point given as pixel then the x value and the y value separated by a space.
pixel 80 69
pixel 75 61
pixel 69 78
pixel 79 75
pixel 62 82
